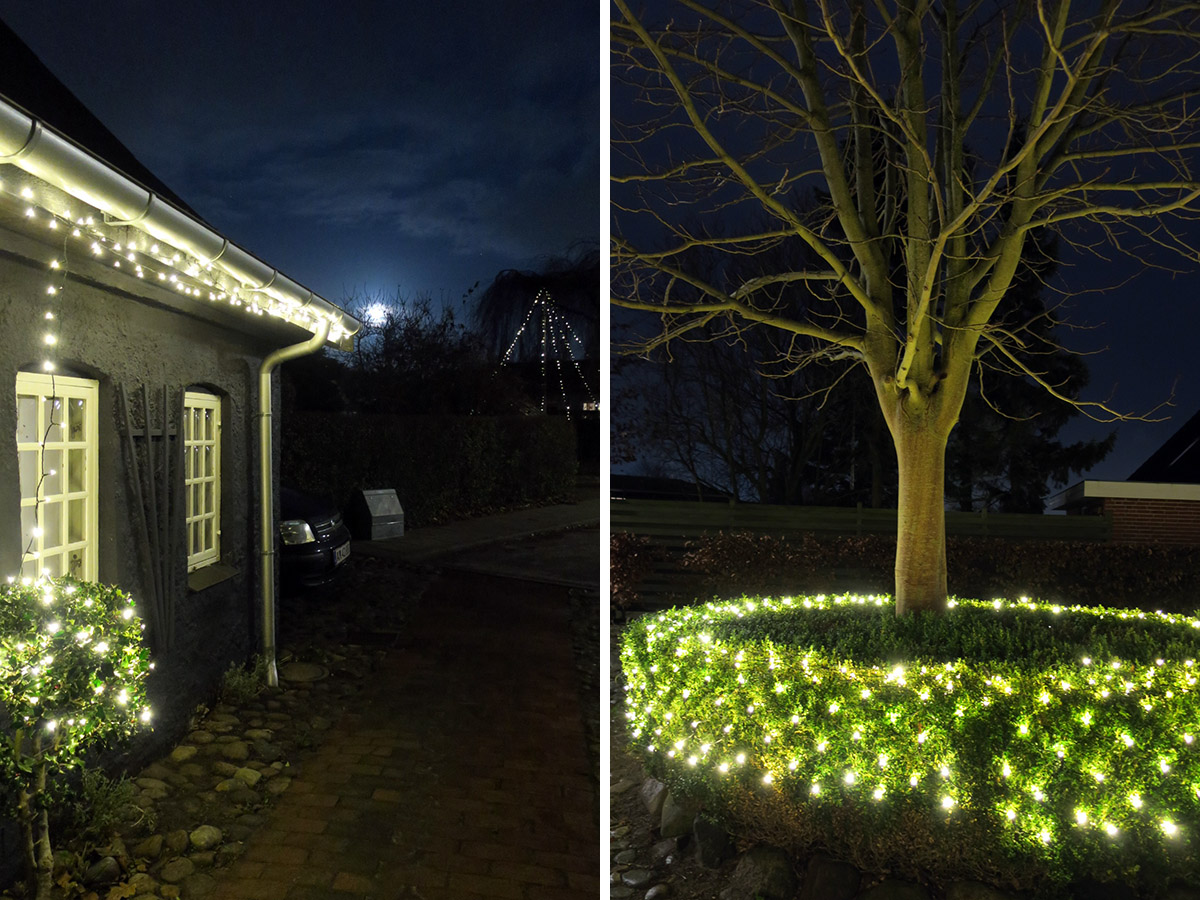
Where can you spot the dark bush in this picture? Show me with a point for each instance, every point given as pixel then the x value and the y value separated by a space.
pixel 442 467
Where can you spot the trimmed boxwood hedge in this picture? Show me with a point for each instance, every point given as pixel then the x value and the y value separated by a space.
pixel 1022 743
pixel 442 467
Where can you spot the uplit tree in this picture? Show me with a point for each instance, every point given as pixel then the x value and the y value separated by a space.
pixel 72 678
pixel 936 138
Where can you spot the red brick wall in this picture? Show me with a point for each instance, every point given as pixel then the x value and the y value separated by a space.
pixel 1141 521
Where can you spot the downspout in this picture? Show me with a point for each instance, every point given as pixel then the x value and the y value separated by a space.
pixel 266 498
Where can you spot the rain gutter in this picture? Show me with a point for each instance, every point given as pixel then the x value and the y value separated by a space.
pixel 30 145
pixel 266 479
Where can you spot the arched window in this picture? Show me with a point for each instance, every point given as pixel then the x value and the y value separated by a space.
pixel 57 461
pixel 202 477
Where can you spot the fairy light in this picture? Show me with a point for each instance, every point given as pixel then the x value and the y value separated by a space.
pixel 1078 763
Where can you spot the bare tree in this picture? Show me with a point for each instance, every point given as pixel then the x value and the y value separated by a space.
pixel 937 137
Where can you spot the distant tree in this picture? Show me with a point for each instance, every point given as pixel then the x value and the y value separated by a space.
pixel 572 285
pixel 940 134
pixel 411 359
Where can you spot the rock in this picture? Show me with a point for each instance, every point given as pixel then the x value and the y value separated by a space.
pixel 243 796
pixel 658 892
pixel 278 785
pixel 198 885
pixel 205 837
pixel 678 813
pixel 152 784
pixel 177 869
pixel 105 870
pixel 625 857
pixel 764 872
pixel 975 890
pixel 169 891
pixel 182 753
pixel 319 723
pixel 251 820
pixel 637 878
pixel 266 751
pixel 150 848
pixel 203 858
pixel 622 786
pixel 224 769
pixel 201 737
pixel 227 853
pixel 713 844
pixel 894 889
pixel 155 770
pixel 191 770
pixel 248 777
pixel 828 879
pixel 653 794
pixel 258 734
pixel 143 883
pixel 146 897
pixel 236 750
pixel 620 892
pixel 663 850
pixel 229 784
pixel 177 841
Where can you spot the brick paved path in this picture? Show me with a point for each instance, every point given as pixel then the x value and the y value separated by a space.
pixel 465 774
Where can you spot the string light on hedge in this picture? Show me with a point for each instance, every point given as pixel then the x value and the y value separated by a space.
pixel 1056 729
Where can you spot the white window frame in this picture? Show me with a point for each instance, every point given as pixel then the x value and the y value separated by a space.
pixel 202 491
pixel 74 448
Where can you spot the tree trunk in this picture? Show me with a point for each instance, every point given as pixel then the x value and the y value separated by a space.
pixel 921 520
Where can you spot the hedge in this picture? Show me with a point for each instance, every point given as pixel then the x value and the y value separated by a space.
pixel 1144 575
pixel 1023 744
pixel 442 467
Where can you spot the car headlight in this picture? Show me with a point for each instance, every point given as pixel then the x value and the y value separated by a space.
pixel 295 531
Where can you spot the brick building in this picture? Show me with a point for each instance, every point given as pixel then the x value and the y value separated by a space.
pixel 1158 503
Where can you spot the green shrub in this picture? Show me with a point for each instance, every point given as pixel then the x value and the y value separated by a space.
pixel 72 678
pixel 442 467
pixel 1026 744
pixel 241 684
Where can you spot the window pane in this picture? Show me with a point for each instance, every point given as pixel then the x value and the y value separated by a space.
pixel 194 463
pixel 27 460
pixel 52 413
pixel 52 524
pixel 77 565
pixel 208 534
pixel 76 470
pixel 52 474
pixel 52 565
pixel 28 520
pixel 208 462
pixel 76 410
pixel 209 422
pixel 208 496
pixel 77 520
pixel 27 419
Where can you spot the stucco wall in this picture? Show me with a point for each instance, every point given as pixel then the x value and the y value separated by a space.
pixel 120 331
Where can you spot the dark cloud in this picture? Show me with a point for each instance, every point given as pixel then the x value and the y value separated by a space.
pixel 468 130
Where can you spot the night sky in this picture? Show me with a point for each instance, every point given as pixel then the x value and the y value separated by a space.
pixel 356 146
pixel 1138 325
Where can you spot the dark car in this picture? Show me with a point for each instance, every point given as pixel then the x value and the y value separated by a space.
pixel 314 541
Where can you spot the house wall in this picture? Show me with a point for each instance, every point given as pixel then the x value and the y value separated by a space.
pixel 1142 521
pixel 120 331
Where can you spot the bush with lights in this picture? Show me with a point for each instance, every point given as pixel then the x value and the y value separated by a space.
pixel 1023 743
pixel 72 677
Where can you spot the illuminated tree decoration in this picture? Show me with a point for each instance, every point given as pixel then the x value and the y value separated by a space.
pixel 1066 735
pixel 73 668
pixel 558 343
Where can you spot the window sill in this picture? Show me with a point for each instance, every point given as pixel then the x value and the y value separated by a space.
pixel 208 576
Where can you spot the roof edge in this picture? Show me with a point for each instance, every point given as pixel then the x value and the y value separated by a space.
pixel 54 158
